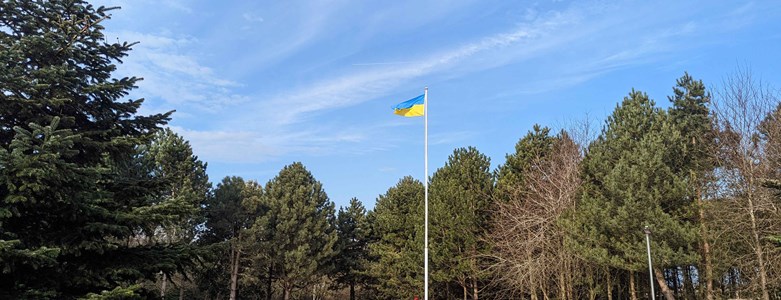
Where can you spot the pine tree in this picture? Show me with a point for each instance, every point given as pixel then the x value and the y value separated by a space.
pixel 74 190
pixel 352 228
pixel 510 175
pixel 397 249
pixel 301 224
pixel 186 181
pixel 628 183
pixel 186 187
pixel 226 221
pixel 461 194
pixel 256 242
pixel 694 159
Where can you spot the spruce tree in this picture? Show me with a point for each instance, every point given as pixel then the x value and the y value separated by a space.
pixel 301 225
pixel 397 248
pixel 74 192
pixel 352 228
pixel 461 194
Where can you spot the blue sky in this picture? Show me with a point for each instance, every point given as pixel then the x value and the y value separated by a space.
pixel 261 84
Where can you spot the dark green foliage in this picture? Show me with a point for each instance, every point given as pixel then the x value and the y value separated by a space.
pixel 693 157
pixel 211 275
pixel 352 250
pixel 225 215
pixel 119 293
pixel 628 183
pixel 397 253
pixel 690 113
pixel 692 148
pixel 460 202
pixel 510 175
pixel 186 184
pixel 255 243
pixel 300 225
pixel 226 218
pixel 75 194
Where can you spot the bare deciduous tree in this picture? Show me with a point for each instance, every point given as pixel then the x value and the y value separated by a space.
pixel 529 253
pixel 747 214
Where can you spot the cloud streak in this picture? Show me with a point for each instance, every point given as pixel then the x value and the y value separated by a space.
pixel 574 45
pixel 174 78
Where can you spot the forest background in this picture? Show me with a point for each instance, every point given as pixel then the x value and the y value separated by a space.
pixel 102 202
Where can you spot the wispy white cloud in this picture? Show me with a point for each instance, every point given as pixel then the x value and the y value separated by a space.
pixel 260 145
pixel 174 77
pixel 251 17
pixel 545 33
pixel 450 138
pixel 576 44
pixel 364 85
pixel 387 169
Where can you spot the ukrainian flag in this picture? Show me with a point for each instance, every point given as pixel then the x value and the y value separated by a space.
pixel 410 108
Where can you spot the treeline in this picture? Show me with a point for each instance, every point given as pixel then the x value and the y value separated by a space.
pixel 101 202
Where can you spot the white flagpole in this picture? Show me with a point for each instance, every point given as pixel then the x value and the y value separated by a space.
pixel 425 184
pixel 647 232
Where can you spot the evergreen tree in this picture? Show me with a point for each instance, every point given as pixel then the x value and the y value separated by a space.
pixel 510 175
pixel 461 194
pixel 628 183
pixel 186 187
pixel 397 249
pixel 187 184
pixel 74 192
pixel 226 221
pixel 694 160
pixel 352 228
pixel 301 225
pixel 256 244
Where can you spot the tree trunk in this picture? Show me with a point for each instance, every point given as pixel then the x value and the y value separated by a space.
pixel 733 279
pixel 758 247
pixel 352 289
pixel 235 257
pixel 163 286
pixel 676 283
pixel 562 286
pixel 632 289
pixel 609 286
pixel 569 290
pixel 688 285
pixel 463 286
pixel 268 282
pixel 181 293
pixel 474 289
pixel 706 256
pixel 668 294
pixel 286 295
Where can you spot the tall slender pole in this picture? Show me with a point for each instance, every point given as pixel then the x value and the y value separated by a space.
pixel 425 185
pixel 647 232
